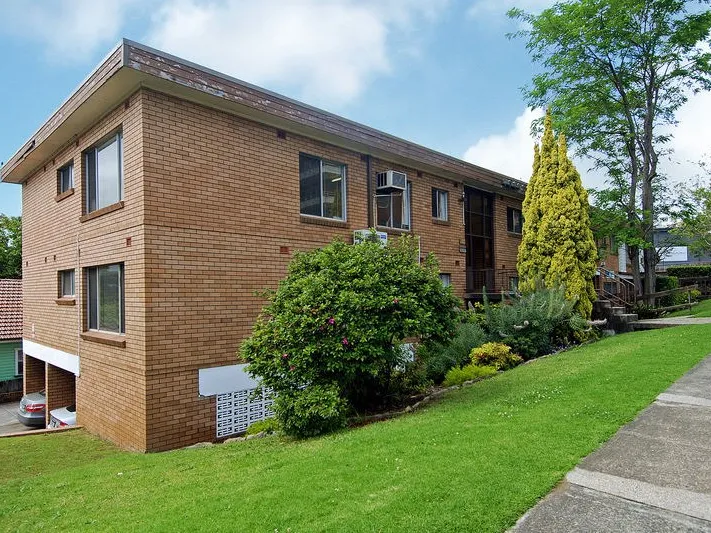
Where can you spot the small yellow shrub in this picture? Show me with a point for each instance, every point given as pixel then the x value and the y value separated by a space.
pixel 495 354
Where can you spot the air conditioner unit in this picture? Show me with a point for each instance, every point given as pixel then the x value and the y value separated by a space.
pixel 392 179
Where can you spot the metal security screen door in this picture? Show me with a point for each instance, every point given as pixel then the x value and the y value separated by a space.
pixel 237 410
pixel 479 234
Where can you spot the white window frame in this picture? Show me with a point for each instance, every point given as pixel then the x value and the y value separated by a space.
pixel 62 293
pixel 118 138
pixel 440 204
pixel 406 208
pixel 95 299
pixel 322 200
pixel 19 358
pixel 512 229
pixel 60 185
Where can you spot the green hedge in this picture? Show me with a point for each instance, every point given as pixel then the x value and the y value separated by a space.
pixel 666 283
pixel 689 271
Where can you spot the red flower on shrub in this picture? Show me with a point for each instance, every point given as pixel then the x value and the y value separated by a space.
pixel 396 301
pixel 344 341
pixel 332 321
pixel 285 356
pixel 292 368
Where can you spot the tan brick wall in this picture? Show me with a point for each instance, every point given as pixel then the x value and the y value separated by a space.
pixel 60 386
pixel 54 239
pixel 222 207
pixel 212 213
pixel 33 378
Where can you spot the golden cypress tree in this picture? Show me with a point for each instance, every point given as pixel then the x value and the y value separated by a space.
pixel 531 264
pixel 559 249
pixel 531 216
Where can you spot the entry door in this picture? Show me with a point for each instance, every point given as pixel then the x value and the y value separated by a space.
pixel 479 236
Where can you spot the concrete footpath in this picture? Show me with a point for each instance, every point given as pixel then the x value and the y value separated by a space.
pixel 654 475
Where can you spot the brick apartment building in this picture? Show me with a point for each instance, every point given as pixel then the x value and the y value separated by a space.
pixel 161 195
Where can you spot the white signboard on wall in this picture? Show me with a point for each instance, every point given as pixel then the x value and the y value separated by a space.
pixel 677 254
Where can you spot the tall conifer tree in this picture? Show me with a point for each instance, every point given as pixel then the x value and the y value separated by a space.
pixel 558 247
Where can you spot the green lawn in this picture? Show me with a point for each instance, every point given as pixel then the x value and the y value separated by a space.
pixel 476 461
pixel 702 309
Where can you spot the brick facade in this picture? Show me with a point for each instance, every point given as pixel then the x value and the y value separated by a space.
pixel 210 214
pixel 34 375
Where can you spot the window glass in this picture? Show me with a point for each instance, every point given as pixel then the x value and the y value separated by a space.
pixel 514 220
pixel 65 176
pixel 105 298
pixel 19 363
pixel 333 191
pixel 446 279
pixel 66 283
pixel 439 204
pixel 393 209
pixel 310 183
pixel 322 188
pixel 108 174
pixel 104 175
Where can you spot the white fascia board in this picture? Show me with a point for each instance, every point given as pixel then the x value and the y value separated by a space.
pixel 58 358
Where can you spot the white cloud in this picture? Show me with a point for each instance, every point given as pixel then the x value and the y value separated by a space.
pixel 329 50
pixel 510 153
pixel 691 138
pixel 69 30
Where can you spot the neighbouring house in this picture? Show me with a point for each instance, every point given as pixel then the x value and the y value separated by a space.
pixel 11 359
pixel 674 250
pixel 162 195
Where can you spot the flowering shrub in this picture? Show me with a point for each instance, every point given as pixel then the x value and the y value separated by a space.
pixel 332 329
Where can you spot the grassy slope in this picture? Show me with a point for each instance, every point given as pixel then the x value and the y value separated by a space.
pixel 474 462
pixel 702 309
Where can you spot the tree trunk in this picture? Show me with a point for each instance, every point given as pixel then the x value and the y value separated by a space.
pixel 649 253
pixel 636 274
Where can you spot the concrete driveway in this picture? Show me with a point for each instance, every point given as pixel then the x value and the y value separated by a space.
pixel 8 419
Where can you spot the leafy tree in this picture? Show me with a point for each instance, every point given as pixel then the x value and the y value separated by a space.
pixel 10 247
pixel 328 341
pixel 614 73
pixel 560 249
pixel 695 227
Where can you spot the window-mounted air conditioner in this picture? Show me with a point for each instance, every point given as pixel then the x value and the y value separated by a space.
pixel 392 180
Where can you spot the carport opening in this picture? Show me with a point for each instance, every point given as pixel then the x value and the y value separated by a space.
pixel 60 388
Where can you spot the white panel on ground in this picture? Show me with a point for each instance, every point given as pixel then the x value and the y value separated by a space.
pixel 237 404
pixel 224 379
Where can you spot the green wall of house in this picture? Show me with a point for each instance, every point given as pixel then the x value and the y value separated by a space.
pixel 7 359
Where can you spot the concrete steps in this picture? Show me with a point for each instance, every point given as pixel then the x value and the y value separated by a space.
pixel 618 319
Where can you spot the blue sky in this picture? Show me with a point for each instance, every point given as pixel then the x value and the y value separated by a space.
pixel 438 72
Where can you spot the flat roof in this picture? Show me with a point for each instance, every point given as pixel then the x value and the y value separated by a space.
pixel 130 66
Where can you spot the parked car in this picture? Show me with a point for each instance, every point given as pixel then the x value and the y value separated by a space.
pixel 63 417
pixel 32 409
